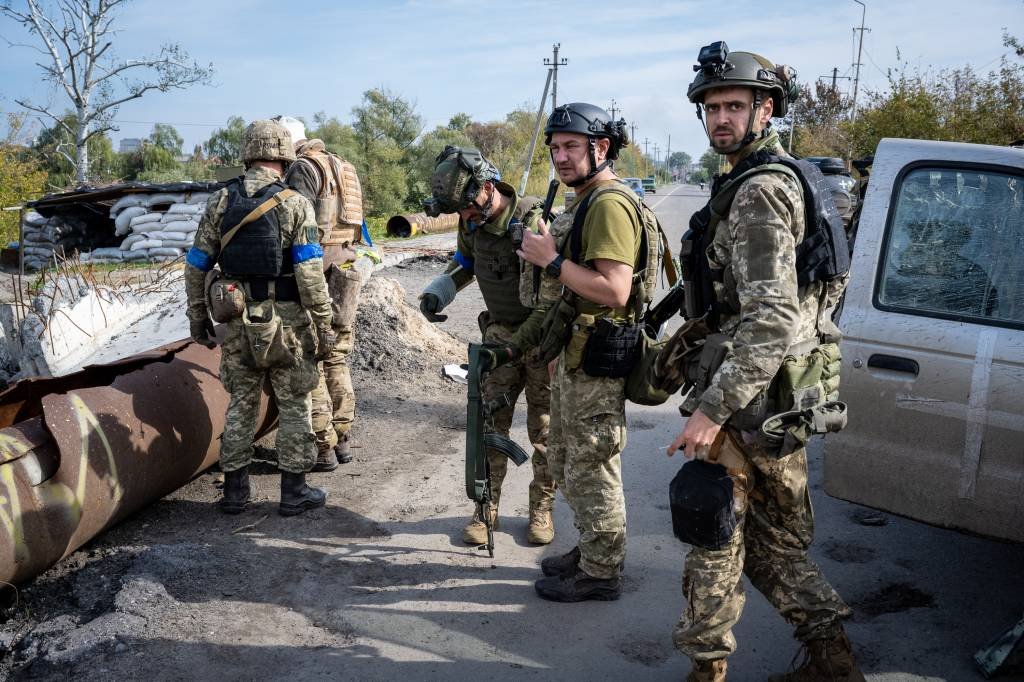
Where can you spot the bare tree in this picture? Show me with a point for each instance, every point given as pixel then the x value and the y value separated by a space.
pixel 76 38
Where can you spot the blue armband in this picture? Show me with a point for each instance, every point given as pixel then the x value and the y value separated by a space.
pixel 305 252
pixel 465 262
pixel 199 260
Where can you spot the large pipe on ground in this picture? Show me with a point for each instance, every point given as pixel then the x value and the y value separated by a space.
pixel 420 223
pixel 81 452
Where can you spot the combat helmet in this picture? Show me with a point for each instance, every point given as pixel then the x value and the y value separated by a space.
pixel 718 68
pixel 459 174
pixel 265 140
pixel 295 127
pixel 591 120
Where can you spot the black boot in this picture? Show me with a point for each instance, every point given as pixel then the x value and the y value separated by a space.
pixel 342 449
pixel 325 460
pixel 297 497
pixel 578 586
pixel 565 564
pixel 236 491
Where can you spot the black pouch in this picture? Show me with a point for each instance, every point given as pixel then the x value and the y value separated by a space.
pixel 701 500
pixel 611 349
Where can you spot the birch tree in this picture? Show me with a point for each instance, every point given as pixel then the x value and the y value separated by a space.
pixel 75 41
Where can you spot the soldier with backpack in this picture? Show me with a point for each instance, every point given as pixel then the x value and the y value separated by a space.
pixel 763 265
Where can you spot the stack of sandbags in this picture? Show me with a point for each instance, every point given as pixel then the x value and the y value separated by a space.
pixel 42 237
pixel 159 227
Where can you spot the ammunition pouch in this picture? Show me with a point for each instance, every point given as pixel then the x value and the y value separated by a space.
pixel 680 353
pixel 642 385
pixel 343 288
pixel 557 328
pixel 701 499
pixel 225 298
pixel 265 334
pixel 785 433
pixel 610 349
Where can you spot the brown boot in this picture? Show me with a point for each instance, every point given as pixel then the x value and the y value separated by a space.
pixel 708 671
pixel 475 532
pixel 541 530
pixel 825 660
pixel 325 460
pixel 343 450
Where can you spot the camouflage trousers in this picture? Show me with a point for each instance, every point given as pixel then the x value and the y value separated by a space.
pixel 334 401
pixel 770 546
pixel 296 451
pixel 509 381
pixel 588 435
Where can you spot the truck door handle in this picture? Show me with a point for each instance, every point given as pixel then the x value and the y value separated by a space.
pixel 895 364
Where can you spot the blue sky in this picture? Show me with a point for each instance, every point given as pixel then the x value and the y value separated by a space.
pixel 485 59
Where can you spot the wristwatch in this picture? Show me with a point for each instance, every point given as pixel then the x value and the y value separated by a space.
pixel 554 268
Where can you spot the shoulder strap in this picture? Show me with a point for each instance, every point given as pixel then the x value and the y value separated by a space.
pixel 257 213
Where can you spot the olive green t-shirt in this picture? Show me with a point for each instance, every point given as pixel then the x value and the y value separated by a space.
pixel 611 229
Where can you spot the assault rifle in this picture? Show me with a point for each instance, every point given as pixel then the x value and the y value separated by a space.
pixel 549 200
pixel 664 310
pixel 478 474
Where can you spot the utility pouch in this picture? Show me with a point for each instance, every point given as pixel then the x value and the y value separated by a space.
pixel 642 384
pixel 701 499
pixel 611 348
pixel 785 433
pixel 712 355
pixel 556 329
pixel 343 288
pixel 225 298
pixel 265 336
pixel 676 366
pixel 582 328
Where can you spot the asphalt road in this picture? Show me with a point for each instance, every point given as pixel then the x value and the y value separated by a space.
pixel 924 599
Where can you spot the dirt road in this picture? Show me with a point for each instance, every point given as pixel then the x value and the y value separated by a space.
pixel 378 586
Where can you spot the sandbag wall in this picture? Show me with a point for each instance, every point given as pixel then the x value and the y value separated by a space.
pixel 43 236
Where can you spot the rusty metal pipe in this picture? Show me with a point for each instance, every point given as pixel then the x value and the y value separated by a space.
pixel 81 452
pixel 412 224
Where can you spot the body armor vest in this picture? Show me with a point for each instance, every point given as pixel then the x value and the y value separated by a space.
pixel 339 203
pixel 497 267
pixel 255 250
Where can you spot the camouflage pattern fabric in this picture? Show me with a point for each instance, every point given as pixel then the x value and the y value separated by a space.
pixel 296 448
pixel 588 434
pixel 334 400
pixel 510 380
pixel 770 546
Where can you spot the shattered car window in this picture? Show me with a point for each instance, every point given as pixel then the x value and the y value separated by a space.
pixel 955 245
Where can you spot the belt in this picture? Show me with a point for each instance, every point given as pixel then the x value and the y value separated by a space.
pixel 277 288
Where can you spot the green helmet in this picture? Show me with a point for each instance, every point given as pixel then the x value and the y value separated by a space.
pixel 459 174
pixel 719 68
pixel 265 140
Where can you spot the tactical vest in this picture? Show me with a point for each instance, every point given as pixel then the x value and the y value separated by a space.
pixel 497 267
pixel 255 250
pixel 339 203
pixel 823 255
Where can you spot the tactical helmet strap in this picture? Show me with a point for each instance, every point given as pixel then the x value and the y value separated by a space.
pixel 748 138
pixel 485 211
pixel 594 167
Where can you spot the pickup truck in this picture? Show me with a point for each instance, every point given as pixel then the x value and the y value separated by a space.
pixel 933 348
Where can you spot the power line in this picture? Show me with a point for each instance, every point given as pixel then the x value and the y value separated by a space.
pixel 171 123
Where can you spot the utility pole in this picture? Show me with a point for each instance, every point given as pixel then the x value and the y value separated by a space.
pixel 645 156
pixel 860 48
pixel 632 131
pixel 528 161
pixel 668 156
pixel 554 63
pixel 656 158
pixel 612 109
pixel 835 71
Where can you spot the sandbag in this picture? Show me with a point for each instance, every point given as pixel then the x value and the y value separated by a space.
pixel 134 255
pixel 105 252
pixel 185 209
pixel 181 226
pixel 156 199
pixel 122 223
pixel 147 244
pixel 167 235
pixel 182 244
pixel 198 198
pixel 126 201
pixel 164 251
pixel 145 218
pixel 34 219
pixel 131 239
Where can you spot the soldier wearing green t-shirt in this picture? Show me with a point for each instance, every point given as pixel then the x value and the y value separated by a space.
pixel 588 421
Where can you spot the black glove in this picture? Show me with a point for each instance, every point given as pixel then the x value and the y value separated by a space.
pixel 202 332
pixel 430 306
pixel 325 341
pixel 492 357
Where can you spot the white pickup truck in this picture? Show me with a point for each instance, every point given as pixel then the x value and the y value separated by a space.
pixel 933 354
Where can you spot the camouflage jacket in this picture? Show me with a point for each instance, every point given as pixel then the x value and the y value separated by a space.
pixel 763 309
pixel 298 235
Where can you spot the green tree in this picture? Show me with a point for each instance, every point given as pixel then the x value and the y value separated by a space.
pixel 166 137
pixel 712 162
pixel 679 160
pixel 21 177
pixel 385 127
pixel 225 144
pixel 55 148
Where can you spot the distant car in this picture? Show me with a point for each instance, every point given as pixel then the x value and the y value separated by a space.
pixel 636 184
pixel 650 185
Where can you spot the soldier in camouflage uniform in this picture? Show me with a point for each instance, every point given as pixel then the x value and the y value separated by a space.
pixel 315 175
pixel 588 421
pixel 491 213
pixel 768 317
pixel 276 257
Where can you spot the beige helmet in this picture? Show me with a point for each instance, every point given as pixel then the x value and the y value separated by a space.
pixel 267 141
pixel 294 126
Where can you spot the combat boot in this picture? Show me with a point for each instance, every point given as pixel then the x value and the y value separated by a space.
pixel 475 532
pixel 326 460
pixel 541 530
pixel 824 660
pixel 578 586
pixel 708 671
pixel 297 497
pixel 564 564
pixel 236 491
pixel 343 450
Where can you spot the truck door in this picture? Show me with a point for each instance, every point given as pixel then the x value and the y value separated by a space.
pixel 933 355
